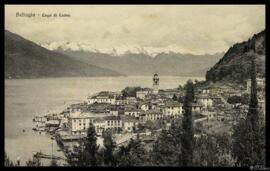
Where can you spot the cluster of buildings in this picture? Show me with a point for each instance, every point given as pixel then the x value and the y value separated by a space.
pixel 125 114
pixel 109 110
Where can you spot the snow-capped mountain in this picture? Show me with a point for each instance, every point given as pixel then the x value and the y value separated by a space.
pixel 136 60
pixel 114 51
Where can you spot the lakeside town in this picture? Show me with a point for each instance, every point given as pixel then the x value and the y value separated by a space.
pixel 135 86
pixel 144 112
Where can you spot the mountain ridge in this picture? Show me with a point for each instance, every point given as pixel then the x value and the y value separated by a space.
pixel 26 59
pixel 175 64
pixel 235 65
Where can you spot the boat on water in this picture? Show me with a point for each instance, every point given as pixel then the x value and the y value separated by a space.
pixel 39 129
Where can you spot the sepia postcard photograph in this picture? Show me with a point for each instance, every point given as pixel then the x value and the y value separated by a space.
pixel 135 85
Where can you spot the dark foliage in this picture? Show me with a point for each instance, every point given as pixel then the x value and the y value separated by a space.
pixel 187 138
pixel 109 148
pixel 235 65
pixel 249 133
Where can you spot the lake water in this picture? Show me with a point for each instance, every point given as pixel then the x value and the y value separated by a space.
pixel 26 98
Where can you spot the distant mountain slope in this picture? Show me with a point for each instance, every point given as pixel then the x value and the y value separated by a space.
pixel 25 59
pixel 235 65
pixel 171 63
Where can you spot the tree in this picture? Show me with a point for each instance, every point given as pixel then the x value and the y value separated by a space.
pixel 245 99
pixel 76 157
pixel 133 154
pixel 33 163
pixel 174 98
pixel 54 163
pixel 213 150
pixel 110 146
pixel 91 147
pixel 253 113
pixel 249 146
pixel 249 133
pixel 167 148
pixel 130 91
pixel 234 99
pixel 8 162
pixel 86 152
pixel 180 87
pixel 187 139
pixel 180 99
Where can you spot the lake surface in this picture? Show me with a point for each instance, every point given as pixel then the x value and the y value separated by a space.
pixel 27 98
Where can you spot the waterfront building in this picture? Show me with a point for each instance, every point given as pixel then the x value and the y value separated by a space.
pixel 120 100
pixel 40 122
pixel 172 108
pixel 169 93
pixel 196 107
pixel 78 122
pixel 77 107
pixel 144 106
pixel 132 112
pixel 205 100
pixel 205 91
pixel 102 97
pixel 99 124
pixel 52 121
pixel 141 94
pixel 114 111
pixel 129 124
pixel 113 123
pixel 208 114
pixel 99 108
pixel 131 100
pixel 151 115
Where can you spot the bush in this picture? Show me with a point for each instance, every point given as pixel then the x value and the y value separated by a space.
pixel 234 99
pixel 130 91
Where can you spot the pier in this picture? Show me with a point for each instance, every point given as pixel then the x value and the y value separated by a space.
pixel 46 156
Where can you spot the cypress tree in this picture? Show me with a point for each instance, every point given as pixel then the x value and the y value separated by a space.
pixel 167 148
pixel 187 126
pixel 109 145
pixel 91 147
pixel 133 154
pixel 253 112
pixel 249 140
pixel 86 153
pixel 174 98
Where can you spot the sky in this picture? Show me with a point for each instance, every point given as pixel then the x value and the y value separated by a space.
pixel 196 29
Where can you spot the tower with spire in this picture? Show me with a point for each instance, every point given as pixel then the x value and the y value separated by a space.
pixel 155 83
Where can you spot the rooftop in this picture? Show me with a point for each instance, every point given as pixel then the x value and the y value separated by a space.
pixel 196 105
pixel 173 104
pixel 132 110
pixel 130 119
pixel 144 89
pixel 85 115
pixel 152 111
pixel 112 118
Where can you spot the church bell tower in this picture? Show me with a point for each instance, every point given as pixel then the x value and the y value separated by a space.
pixel 155 83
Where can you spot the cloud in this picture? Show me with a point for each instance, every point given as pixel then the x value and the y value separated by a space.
pixel 196 28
